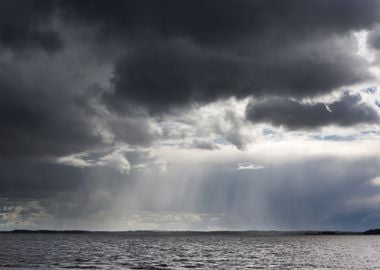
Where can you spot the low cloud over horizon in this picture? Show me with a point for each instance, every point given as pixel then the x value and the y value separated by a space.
pixel 189 115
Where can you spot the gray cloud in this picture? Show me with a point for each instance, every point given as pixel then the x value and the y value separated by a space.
pixel 204 144
pixel 173 74
pixel 347 111
pixel 27 25
pixel 373 38
pixel 231 49
pixel 135 131
pixel 233 133
pixel 221 23
pixel 171 60
pixel 177 73
pixel 40 118
pixel 33 179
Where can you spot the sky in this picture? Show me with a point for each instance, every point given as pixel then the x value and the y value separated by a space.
pixel 190 115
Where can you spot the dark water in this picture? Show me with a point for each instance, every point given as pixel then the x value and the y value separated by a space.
pixel 117 251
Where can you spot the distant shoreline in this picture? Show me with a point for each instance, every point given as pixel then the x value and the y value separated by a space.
pixel 194 233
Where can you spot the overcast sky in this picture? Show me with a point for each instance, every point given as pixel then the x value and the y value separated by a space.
pixel 190 115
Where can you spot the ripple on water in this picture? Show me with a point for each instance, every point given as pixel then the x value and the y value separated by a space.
pixel 110 251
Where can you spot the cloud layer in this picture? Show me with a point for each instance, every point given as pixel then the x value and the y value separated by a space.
pixel 189 114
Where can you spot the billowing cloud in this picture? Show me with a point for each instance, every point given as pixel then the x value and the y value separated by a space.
pixel 172 61
pixel 172 74
pixel 347 111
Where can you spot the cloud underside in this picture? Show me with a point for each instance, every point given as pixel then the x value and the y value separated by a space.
pixel 309 52
pixel 347 111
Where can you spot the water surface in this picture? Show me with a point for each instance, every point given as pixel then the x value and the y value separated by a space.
pixel 123 251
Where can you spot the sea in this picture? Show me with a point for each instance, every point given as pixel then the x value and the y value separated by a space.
pixel 184 251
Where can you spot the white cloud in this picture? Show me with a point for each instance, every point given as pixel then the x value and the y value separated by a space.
pixel 375 181
pixel 117 160
pixel 249 166
pixel 76 160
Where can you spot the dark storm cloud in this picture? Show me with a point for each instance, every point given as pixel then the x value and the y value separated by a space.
pixel 183 52
pixel 174 54
pixel 219 23
pixel 175 74
pixel 292 114
pixel 25 178
pixel 178 73
pixel 40 119
pixel 27 25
